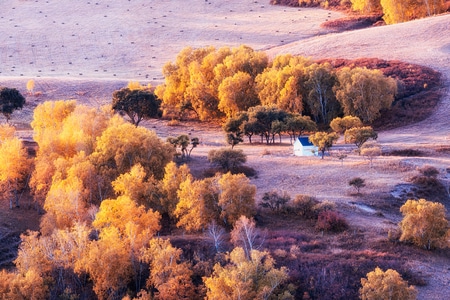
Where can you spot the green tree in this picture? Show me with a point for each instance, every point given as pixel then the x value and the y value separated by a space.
pixel 261 120
pixel 227 159
pixel 137 104
pixel 357 183
pixel 360 135
pixel 323 141
pixel 296 125
pixel 364 93
pixel 10 100
pixel 424 224
pixel 386 285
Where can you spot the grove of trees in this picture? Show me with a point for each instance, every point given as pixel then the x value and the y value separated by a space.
pixel 217 83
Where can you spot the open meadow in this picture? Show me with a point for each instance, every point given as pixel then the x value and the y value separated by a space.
pixel 85 50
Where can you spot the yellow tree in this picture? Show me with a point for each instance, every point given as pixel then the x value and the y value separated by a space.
pixel 197 206
pixel 236 197
pixel 122 145
pixel 283 84
pixel 424 223
pixel 168 276
pixel 64 205
pixel 366 6
pixel 170 184
pixel 245 278
pixel 340 125
pixel 237 93
pixel 323 140
pixel 364 93
pixel 397 11
pixel 14 167
pixel 139 189
pixel 386 285
pixel 108 264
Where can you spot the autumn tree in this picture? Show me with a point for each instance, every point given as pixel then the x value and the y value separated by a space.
pixel 282 84
pixel 424 223
pixel 360 135
pixel 237 93
pixel 340 125
pixel 138 187
pixel 274 201
pixel 122 145
pixel 10 100
pixel 323 141
pixel 366 6
pixel 227 159
pixel 198 204
pixel 387 284
pixel 137 104
pixel 14 165
pixel 396 11
pixel 169 277
pixel 234 128
pixel 183 142
pixel 371 151
pixel 236 198
pixel 170 184
pixel 321 100
pixel 30 86
pixel 254 277
pixel 364 93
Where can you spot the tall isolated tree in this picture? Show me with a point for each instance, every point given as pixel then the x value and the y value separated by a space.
pixel 323 140
pixel 364 93
pixel 387 284
pixel 360 135
pixel 137 104
pixel 424 224
pixel 10 100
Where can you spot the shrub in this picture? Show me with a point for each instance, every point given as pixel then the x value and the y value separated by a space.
pixel 227 159
pixel 429 171
pixel 424 224
pixel 274 201
pixel 303 205
pixel 331 221
pixel 323 206
pixel 386 285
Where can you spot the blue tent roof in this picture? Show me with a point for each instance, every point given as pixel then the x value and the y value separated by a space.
pixel 304 140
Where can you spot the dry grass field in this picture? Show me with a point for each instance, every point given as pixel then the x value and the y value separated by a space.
pixel 85 50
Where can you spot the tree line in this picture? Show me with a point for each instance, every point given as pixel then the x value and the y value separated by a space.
pixel 216 83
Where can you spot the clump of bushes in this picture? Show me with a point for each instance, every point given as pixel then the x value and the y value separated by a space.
pixel 405 152
pixel 331 221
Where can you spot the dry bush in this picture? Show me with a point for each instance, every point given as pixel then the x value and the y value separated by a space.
pixel 428 171
pixel 428 188
pixel 352 22
pixel 404 152
pixel 173 122
pixel 331 221
pixel 303 206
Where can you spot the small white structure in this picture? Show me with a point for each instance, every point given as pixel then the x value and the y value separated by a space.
pixel 303 147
